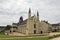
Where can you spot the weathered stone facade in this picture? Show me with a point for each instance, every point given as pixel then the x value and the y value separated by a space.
pixel 30 26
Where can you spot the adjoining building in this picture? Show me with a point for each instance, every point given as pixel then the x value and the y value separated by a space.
pixel 55 27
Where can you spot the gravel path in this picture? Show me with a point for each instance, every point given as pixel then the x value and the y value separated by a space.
pixel 58 38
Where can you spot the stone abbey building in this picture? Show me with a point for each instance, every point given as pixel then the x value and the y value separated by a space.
pixel 32 25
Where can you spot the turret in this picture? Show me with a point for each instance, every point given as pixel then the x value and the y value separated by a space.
pixel 21 19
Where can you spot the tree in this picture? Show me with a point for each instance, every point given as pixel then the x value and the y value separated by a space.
pixel 8 27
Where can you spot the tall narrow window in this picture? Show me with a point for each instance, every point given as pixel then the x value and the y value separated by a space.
pixel 34 25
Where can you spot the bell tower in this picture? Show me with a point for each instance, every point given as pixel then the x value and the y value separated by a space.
pixel 28 22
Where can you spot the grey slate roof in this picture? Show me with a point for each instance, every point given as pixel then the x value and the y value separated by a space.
pixel 24 22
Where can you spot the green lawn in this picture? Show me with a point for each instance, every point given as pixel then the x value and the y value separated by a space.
pixel 57 30
pixel 22 38
pixel 42 38
pixel 6 37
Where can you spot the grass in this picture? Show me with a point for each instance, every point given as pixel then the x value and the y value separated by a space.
pixel 7 37
pixel 41 38
pixel 58 30
pixel 54 36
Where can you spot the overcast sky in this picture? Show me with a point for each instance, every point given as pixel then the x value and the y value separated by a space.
pixel 11 10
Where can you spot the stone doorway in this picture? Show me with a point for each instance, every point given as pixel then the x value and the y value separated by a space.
pixel 41 32
pixel 34 31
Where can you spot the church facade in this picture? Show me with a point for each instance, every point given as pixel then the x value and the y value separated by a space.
pixel 32 25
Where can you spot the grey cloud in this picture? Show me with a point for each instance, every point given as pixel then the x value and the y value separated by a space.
pixel 48 9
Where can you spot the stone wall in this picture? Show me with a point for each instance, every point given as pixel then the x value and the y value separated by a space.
pixel 22 28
